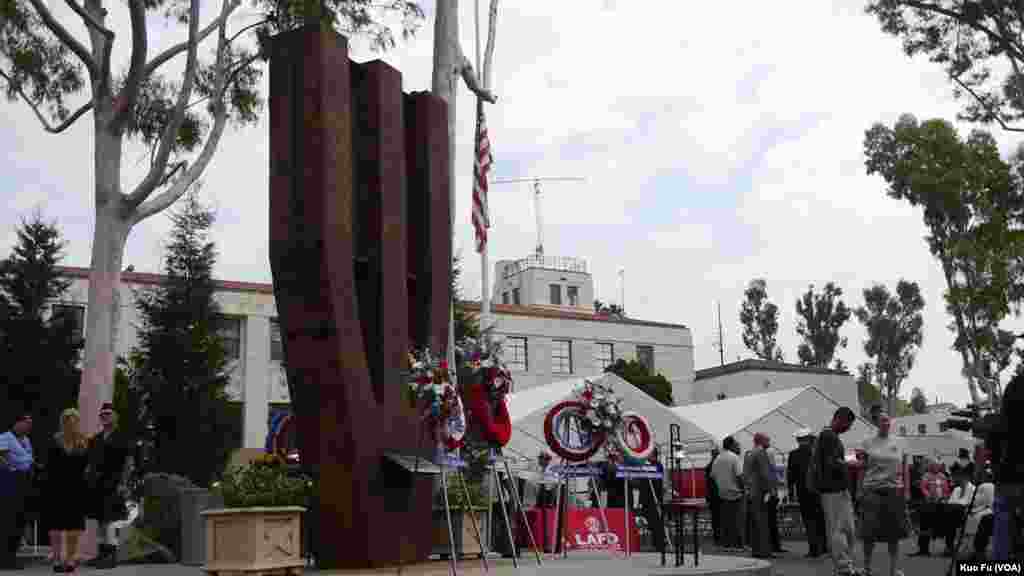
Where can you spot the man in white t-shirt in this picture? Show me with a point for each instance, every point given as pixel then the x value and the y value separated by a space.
pixel 727 472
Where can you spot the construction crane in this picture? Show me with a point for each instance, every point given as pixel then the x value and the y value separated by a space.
pixel 537 201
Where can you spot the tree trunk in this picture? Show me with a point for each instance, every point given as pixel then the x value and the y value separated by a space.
pixel 972 387
pixel 104 307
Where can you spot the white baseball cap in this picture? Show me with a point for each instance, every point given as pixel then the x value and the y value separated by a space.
pixel 803 433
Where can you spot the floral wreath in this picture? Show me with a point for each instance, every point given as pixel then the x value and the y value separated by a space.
pixel 604 408
pixel 604 412
pixel 486 400
pixel 430 387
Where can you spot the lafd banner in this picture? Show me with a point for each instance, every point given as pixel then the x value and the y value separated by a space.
pixel 585 530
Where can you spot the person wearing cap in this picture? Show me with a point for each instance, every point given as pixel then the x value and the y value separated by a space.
pixel 963 464
pixel 16 466
pixel 810 504
pixel 110 462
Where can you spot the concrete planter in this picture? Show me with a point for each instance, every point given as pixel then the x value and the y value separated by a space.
pixel 462 527
pixel 193 526
pixel 254 540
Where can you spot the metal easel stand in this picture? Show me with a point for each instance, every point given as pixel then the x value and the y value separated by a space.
pixel 472 517
pixel 661 513
pixel 592 483
pixel 625 519
pixel 452 564
pixel 560 514
pixel 627 475
pixel 496 479
pixel 519 504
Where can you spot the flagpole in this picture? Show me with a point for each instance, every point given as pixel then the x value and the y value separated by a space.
pixel 485 68
pixel 485 296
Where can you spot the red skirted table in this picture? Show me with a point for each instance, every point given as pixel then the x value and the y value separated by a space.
pixel 584 529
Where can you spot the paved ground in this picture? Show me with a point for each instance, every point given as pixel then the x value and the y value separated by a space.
pixel 790 564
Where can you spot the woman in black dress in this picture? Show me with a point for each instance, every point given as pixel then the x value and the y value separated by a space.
pixel 66 490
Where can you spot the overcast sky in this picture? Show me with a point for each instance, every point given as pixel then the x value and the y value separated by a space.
pixel 718 144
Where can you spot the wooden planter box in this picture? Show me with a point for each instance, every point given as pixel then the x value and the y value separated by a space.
pixel 462 527
pixel 261 541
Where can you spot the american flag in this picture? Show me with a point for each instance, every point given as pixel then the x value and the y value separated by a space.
pixel 481 169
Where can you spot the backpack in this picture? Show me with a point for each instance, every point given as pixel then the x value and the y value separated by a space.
pixel 813 469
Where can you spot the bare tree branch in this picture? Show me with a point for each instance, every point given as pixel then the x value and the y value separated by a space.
pixel 992 112
pixel 246 29
pixel 492 29
pixel 178 167
pixel 465 69
pixel 171 195
pixel 39 114
pixel 65 37
pixel 170 134
pixel 173 51
pixel 125 102
pixel 89 20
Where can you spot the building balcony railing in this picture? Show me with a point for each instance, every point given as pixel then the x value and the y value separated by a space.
pixel 561 263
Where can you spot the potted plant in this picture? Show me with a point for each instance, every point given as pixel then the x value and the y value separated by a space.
pixel 260 527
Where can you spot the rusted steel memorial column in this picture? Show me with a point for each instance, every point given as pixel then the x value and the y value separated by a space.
pixel 359 249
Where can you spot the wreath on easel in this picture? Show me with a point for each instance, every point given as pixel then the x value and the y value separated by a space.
pixel 431 390
pixel 486 390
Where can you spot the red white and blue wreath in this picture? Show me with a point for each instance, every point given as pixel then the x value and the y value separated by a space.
pixel 485 394
pixel 431 390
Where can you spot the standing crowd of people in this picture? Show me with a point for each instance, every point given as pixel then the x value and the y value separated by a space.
pixel 81 477
pixel 839 503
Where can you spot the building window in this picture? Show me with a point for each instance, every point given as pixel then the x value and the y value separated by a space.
pixel 573 294
pixel 515 296
pixel 645 356
pixel 276 346
pixel 604 355
pixel 556 294
pixel 515 354
pixel 229 328
pixel 903 430
pixel 561 357
pixel 71 314
pixel 504 297
pixel 922 428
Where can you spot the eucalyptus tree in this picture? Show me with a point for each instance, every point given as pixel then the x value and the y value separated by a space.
pixel 178 116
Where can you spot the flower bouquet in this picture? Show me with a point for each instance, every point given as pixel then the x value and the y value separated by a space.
pixel 603 407
pixel 431 389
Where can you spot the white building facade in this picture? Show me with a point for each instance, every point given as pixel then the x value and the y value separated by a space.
pixel 749 377
pixel 543 344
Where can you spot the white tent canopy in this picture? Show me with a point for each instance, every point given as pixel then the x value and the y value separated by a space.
pixel 777 414
pixel 529 408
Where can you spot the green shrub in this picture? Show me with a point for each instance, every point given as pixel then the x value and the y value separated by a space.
pixel 457 494
pixel 264 483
